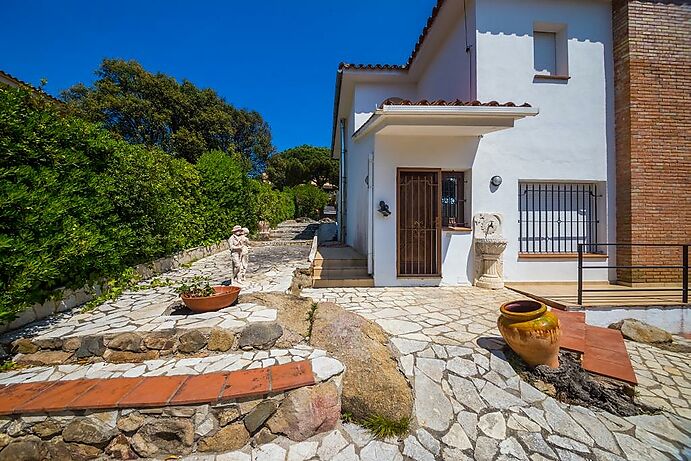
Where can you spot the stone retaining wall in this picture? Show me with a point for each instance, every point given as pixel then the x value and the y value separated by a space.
pixel 66 299
pixel 136 347
pixel 172 430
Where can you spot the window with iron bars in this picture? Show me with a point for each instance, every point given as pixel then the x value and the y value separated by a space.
pixel 556 217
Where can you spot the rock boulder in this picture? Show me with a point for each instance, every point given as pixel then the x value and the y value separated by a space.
pixel 261 335
pixel 164 437
pixel 43 358
pixel 231 437
pixel 191 341
pixel 372 384
pixel 641 332
pixel 307 411
pixel 88 431
pixel 131 342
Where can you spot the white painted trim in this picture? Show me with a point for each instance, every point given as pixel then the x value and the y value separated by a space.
pixel 461 112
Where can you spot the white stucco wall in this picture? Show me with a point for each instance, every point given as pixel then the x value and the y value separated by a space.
pixel 449 75
pixel 392 152
pixel 572 139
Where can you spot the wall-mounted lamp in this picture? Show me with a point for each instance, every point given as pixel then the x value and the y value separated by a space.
pixel 384 208
pixel 495 181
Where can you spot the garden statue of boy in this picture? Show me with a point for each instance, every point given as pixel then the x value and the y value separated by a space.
pixel 236 247
pixel 245 255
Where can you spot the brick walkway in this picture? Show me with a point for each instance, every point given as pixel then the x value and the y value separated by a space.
pixel 604 351
pixel 158 391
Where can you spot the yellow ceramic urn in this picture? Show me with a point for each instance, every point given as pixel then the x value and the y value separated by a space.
pixel 531 331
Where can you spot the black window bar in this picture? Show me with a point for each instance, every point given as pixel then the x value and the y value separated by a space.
pixel 557 217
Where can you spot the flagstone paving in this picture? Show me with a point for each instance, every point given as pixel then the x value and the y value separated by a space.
pixel 151 309
pixel 469 403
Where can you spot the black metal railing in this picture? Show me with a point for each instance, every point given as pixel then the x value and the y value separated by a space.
pixel 556 217
pixel 684 269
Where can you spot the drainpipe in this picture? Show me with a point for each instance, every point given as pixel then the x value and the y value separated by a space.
pixel 370 217
pixel 343 186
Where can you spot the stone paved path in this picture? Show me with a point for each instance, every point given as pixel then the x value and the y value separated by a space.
pixel 470 404
pixel 270 269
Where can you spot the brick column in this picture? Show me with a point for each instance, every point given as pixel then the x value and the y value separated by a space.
pixel 652 71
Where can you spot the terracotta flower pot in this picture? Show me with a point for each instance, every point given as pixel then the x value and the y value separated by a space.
pixel 531 331
pixel 224 297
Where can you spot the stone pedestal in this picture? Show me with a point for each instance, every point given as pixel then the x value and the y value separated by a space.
pixel 489 247
pixel 490 252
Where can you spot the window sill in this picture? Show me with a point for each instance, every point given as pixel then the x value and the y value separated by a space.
pixel 456 229
pixel 562 78
pixel 560 256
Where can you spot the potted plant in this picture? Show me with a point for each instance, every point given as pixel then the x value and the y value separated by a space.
pixel 201 297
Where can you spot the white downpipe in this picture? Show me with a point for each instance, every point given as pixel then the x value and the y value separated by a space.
pixel 342 186
pixel 370 215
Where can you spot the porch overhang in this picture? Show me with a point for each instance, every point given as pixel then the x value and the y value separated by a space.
pixel 442 120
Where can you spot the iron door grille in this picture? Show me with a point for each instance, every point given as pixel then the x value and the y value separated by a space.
pixel 418 223
pixel 556 217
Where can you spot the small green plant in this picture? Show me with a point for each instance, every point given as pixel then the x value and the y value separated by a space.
pixel 383 428
pixel 347 417
pixel 310 318
pixel 7 366
pixel 113 288
pixel 196 289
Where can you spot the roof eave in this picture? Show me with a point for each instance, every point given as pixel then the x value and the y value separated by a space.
pixel 379 116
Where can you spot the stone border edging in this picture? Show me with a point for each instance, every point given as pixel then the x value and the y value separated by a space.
pixel 155 391
pixel 70 299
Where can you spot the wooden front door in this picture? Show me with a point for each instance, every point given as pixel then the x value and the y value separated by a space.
pixel 418 224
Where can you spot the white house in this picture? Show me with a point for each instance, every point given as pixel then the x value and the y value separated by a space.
pixel 428 140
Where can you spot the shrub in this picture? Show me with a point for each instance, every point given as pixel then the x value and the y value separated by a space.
pixel 272 205
pixel 226 194
pixel 78 205
pixel 309 200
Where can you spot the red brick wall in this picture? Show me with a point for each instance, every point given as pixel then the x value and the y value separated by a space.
pixel 652 72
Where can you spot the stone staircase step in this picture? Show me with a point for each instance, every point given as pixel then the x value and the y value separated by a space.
pixel 340 272
pixel 343 283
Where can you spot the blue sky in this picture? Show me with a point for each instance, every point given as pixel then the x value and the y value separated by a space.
pixel 278 57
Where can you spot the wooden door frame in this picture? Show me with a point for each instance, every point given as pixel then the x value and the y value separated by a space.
pixel 437 273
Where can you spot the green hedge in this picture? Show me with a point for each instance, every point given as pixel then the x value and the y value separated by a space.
pixel 272 205
pixel 77 205
pixel 309 200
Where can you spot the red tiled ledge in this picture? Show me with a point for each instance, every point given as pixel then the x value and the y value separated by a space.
pixel 155 391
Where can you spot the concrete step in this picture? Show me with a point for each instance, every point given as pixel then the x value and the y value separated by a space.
pixel 338 263
pixel 343 283
pixel 340 272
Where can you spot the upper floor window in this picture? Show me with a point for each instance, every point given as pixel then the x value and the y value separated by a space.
pixel 550 51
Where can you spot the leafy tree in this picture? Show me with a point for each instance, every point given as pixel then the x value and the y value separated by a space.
pixel 180 118
pixel 302 165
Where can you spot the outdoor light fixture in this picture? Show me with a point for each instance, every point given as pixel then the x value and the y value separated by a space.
pixel 384 208
pixel 495 181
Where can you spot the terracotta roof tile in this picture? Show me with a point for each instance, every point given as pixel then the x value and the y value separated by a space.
pixel 441 102
pixel 22 84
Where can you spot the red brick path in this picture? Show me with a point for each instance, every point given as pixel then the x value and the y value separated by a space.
pixel 156 391
pixel 603 349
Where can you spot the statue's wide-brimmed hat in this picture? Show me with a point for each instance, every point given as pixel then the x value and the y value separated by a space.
pixel 236 229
